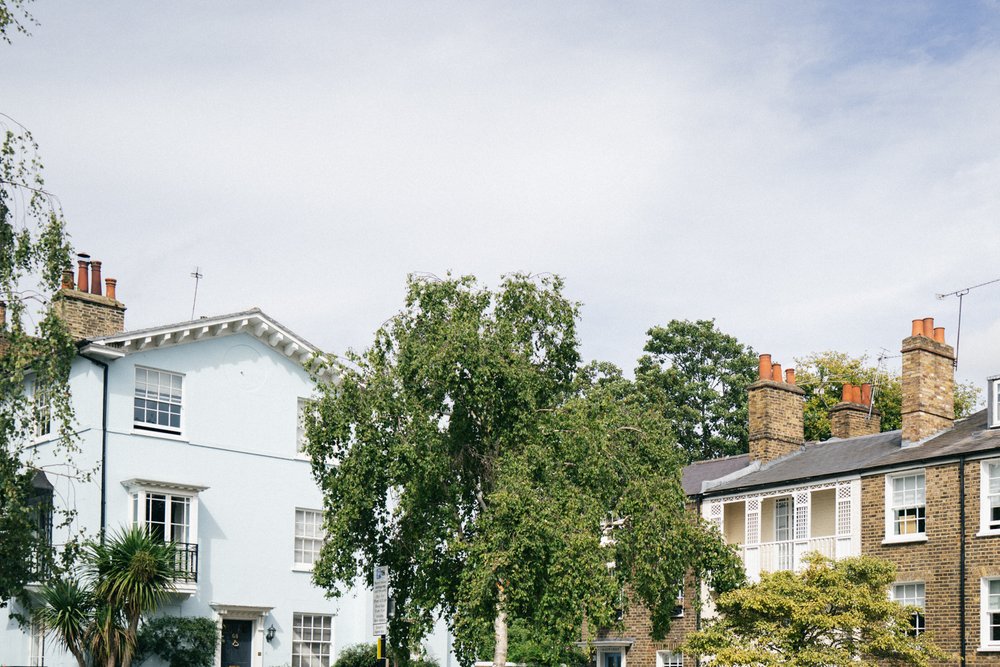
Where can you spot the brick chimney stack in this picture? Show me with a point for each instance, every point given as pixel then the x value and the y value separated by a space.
pixel 83 308
pixel 775 407
pixel 850 417
pixel 928 382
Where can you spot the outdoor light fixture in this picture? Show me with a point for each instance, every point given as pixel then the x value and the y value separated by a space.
pixel 270 634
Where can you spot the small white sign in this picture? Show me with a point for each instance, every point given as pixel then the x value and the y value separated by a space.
pixel 380 600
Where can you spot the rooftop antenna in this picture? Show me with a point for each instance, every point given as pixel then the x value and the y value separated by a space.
pixel 197 275
pixel 960 293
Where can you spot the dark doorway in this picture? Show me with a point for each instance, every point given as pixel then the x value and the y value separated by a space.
pixel 236 643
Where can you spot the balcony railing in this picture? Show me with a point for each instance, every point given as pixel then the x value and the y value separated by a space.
pixel 186 560
pixel 775 556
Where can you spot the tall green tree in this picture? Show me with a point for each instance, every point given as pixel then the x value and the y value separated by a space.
pixel 701 375
pixel 468 452
pixel 36 352
pixel 823 375
pixel 832 613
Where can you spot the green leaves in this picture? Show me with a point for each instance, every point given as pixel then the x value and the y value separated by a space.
pixel 700 375
pixel 832 613
pixel 480 463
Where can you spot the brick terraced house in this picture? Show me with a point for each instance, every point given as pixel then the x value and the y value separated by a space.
pixel 926 497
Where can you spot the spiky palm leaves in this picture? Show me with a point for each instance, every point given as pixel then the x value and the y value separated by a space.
pixel 124 578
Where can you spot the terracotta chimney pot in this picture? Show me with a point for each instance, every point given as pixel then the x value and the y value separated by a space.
pixel 929 327
pixel 790 376
pixel 918 328
pixel 764 368
pixel 776 372
pixel 846 393
pixel 95 277
pixel 866 393
pixel 67 279
pixel 82 262
pixel 855 393
pixel 110 283
pixel 939 334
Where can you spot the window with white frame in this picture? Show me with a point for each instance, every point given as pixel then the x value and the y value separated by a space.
pixel 993 401
pixel 679 607
pixel 611 657
pixel 312 639
pixel 157 404
pixel 669 659
pixel 990 604
pixel 905 506
pixel 912 595
pixel 308 537
pixel 41 413
pixel 990 497
pixel 36 645
pixel 170 513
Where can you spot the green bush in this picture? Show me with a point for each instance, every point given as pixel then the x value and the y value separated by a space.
pixel 179 641
pixel 357 655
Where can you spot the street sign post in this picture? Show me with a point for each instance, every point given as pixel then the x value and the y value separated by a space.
pixel 380 600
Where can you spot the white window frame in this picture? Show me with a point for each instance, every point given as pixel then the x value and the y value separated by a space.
pixel 300 659
pixel 901 594
pixel 41 414
pixel 160 429
pixel 986 642
pixel 985 518
pixel 678 611
pixel 891 508
pixel 302 564
pixel 36 644
pixel 669 659
pixel 993 401
pixel 139 491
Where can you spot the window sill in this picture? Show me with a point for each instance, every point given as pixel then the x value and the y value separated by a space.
pixel 989 649
pixel 905 539
pixel 163 435
pixel 302 568
pixel 989 533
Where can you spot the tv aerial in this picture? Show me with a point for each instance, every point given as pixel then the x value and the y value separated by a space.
pixel 960 293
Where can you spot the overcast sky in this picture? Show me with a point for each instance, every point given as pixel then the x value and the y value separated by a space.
pixel 809 174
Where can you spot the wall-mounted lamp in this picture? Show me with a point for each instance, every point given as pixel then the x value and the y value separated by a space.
pixel 269 635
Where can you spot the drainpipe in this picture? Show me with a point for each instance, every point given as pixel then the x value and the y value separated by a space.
pixel 104 443
pixel 961 558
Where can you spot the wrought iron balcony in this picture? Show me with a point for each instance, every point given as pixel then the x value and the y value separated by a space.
pixel 186 561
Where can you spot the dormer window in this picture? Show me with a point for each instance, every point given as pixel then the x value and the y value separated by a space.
pixel 993 401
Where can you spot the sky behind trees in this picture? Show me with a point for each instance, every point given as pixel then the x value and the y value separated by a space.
pixel 809 174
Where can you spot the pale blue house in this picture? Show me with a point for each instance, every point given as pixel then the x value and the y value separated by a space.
pixel 194 430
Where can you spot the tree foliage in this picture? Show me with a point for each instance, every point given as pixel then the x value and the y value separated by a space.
pixel 823 375
pixel 702 375
pixel 832 613
pixel 96 615
pixel 182 641
pixel 36 352
pixel 478 462
pixel 14 18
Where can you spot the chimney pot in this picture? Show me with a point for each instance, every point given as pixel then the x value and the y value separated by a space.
pixel 95 277
pixel 67 278
pixel 866 393
pixel 776 372
pixel 939 334
pixel 790 376
pixel 110 283
pixel 83 263
pixel 855 393
pixel 846 393
pixel 929 327
pixel 918 328
pixel 764 369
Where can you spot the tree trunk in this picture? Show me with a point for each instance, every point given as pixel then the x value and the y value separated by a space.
pixel 500 630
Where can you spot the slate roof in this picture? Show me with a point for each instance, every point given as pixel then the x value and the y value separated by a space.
pixel 836 457
pixel 701 471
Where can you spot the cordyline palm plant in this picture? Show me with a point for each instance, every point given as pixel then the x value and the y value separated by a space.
pixel 124 579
